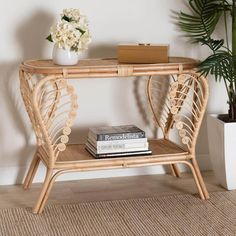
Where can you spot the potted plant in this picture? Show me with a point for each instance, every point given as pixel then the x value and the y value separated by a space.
pixel 70 36
pixel 199 26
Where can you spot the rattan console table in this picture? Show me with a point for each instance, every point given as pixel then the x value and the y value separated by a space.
pixel 51 103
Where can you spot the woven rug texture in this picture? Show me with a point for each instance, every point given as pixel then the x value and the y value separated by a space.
pixel 167 215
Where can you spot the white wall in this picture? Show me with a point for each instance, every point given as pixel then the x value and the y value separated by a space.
pixel 24 26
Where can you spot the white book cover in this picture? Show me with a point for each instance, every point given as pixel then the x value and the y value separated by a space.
pixel 118 148
pixel 124 143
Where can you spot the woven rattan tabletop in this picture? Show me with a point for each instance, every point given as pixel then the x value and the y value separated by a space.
pixel 109 66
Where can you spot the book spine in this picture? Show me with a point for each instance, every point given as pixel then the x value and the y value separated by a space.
pixel 116 148
pixel 121 136
pixel 122 148
pixel 123 154
pixel 96 143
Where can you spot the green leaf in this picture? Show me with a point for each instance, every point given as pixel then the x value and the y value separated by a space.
pixel 220 65
pixel 215 44
pixel 81 31
pixel 201 22
pixel 49 38
pixel 66 18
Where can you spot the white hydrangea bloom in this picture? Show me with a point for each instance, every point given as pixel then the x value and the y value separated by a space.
pixel 73 14
pixel 83 23
pixel 65 35
pixel 73 34
pixel 84 41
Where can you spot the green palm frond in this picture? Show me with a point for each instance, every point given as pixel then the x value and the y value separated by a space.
pixel 212 43
pixel 199 26
pixel 219 64
pixel 202 22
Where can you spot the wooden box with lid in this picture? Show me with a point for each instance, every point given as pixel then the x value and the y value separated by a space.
pixel 142 53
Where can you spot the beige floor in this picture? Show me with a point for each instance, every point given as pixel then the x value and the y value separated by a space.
pixel 106 189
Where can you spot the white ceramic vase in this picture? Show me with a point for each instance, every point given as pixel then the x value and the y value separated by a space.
pixel 64 57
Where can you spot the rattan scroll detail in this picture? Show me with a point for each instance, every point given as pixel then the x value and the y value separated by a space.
pixel 57 105
pixel 182 107
pixel 26 88
pixel 52 110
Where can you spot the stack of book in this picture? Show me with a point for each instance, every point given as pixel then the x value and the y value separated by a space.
pixel 115 141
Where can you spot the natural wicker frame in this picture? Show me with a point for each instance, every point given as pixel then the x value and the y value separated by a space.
pixel 44 99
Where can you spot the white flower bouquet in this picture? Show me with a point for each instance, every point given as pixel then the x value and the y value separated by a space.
pixel 71 32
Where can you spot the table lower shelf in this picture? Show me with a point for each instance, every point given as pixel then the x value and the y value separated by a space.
pixel 76 156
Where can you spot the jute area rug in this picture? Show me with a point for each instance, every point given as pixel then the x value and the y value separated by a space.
pixel 168 215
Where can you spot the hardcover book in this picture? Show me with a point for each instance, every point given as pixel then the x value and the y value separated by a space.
pixel 124 144
pixel 109 133
pixel 117 148
pixel 122 154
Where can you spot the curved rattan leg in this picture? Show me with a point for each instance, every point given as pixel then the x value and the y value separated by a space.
pixel 196 179
pixel 200 179
pixel 49 188
pixel 175 170
pixel 46 183
pixel 31 172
